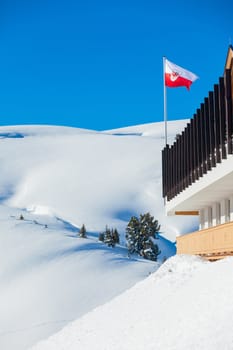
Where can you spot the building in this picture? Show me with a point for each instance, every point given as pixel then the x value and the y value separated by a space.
pixel 198 172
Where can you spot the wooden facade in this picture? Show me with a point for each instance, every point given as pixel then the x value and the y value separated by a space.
pixel 205 141
pixel 212 243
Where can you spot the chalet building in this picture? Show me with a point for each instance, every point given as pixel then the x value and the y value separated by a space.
pixel 198 172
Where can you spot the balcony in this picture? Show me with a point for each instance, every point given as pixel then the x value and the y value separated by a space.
pixel 206 142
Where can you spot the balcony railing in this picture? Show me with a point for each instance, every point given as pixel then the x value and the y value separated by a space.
pixel 205 141
pixel 212 243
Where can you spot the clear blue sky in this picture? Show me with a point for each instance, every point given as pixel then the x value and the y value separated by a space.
pixel 98 64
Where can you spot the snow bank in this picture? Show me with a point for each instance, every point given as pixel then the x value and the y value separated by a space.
pixel 186 304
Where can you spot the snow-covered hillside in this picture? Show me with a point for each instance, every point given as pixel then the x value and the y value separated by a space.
pixel 85 176
pixel 60 178
pixel 186 304
pixel 49 277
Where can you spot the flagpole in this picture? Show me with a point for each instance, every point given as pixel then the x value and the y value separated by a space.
pixel 164 101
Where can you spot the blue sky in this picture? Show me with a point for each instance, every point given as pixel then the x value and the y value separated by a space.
pixel 98 64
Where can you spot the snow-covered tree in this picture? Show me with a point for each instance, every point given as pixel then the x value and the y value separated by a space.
pixel 133 235
pixel 108 238
pixel 140 234
pixel 150 250
pixel 149 226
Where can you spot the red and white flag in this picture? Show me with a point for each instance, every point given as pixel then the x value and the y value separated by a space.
pixel 176 76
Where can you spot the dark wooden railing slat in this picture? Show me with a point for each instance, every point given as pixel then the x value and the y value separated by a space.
pixel 222 111
pixel 229 112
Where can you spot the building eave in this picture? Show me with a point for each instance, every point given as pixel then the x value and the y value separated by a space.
pixel 214 186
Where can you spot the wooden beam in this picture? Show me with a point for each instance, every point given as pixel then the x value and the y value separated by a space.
pixel 229 59
pixel 192 212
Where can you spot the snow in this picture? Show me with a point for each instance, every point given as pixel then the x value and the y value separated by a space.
pixel 186 304
pixel 59 178
pixel 49 277
pixel 88 177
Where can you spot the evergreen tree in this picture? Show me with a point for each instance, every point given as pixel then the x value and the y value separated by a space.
pixel 150 250
pixel 82 232
pixel 149 226
pixel 133 235
pixel 101 237
pixel 115 236
pixel 140 234
pixel 108 238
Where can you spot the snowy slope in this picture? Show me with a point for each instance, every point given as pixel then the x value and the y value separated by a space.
pixel 60 178
pixel 186 304
pixel 88 177
pixel 49 277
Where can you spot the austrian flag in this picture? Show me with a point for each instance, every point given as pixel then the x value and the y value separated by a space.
pixel 176 76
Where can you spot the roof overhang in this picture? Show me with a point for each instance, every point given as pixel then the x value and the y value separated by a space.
pixel 214 186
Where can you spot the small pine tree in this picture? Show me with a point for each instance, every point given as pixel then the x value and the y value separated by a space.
pixel 101 237
pixel 108 238
pixel 115 236
pixel 82 232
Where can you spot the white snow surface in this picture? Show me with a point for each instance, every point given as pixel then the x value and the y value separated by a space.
pixel 83 176
pixel 186 304
pixel 59 178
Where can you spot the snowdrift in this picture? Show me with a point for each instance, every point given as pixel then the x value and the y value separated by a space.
pixel 186 304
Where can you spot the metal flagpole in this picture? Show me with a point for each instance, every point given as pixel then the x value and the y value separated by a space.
pixel 164 108
pixel 164 101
